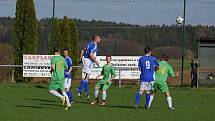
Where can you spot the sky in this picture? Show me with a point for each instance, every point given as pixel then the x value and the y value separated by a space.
pixel 140 12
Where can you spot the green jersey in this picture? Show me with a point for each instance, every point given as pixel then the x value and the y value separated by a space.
pixel 165 69
pixel 59 66
pixel 107 71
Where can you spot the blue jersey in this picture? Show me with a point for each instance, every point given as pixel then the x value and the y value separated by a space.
pixel 90 48
pixel 147 65
pixel 69 63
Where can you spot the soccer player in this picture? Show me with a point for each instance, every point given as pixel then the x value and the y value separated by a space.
pixel 58 65
pixel 68 75
pixel 147 65
pixel 161 75
pixel 108 73
pixel 88 54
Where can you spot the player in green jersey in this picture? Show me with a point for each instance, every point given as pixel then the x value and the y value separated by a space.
pixel 108 73
pixel 58 64
pixel 161 76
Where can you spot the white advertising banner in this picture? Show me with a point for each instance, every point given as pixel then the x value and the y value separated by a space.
pixel 37 65
pixel 127 64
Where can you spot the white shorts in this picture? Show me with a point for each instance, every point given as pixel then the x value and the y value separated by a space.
pixel 146 85
pixel 87 66
pixel 67 83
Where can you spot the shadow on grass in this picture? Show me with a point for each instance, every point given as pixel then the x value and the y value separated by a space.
pixel 48 104
pixel 40 86
pixel 34 107
pixel 121 106
pixel 41 100
pixel 29 106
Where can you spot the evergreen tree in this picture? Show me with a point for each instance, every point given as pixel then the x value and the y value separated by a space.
pixel 25 33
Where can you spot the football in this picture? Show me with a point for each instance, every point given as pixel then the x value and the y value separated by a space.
pixel 179 20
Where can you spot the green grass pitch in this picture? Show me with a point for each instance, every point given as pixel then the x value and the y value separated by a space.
pixel 33 103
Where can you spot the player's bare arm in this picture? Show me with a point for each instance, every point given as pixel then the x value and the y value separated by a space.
pixel 52 68
pixel 92 57
pixel 81 55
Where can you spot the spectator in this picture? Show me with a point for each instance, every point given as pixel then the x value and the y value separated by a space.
pixel 194 71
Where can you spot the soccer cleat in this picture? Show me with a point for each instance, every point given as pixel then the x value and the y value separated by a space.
pixel 71 102
pixel 78 93
pixel 64 100
pixel 135 106
pixel 171 108
pixel 87 97
pixel 103 103
pixel 146 107
pixel 94 102
pixel 67 108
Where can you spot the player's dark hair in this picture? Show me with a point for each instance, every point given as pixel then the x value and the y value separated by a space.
pixel 57 49
pixel 108 56
pixel 165 57
pixel 147 50
pixel 65 49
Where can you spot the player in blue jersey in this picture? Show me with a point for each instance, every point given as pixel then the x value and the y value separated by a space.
pixel 88 57
pixel 68 75
pixel 147 65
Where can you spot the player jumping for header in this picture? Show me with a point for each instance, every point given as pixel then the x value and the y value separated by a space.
pixel 58 64
pixel 161 75
pixel 108 73
pixel 147 65
pixel 89 53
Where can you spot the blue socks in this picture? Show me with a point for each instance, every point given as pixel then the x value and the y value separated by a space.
pixel 147 99
pixel 81 86
pixel 84 84
pixel 86 88
pixel 69 93
pixel 137 99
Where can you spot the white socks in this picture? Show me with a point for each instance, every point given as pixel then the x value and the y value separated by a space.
pixel 169 101
pixel 104 95
pixel 55 93
pixel 67 98
pixel 151 99
pixel 96 93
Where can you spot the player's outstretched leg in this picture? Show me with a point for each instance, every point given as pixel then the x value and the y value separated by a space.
pixel 55 93
pixel 137 98
pixel 169 100
pixel 96 93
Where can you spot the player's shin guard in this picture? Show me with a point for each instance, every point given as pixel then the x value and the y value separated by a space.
pixel 151 99
pixel 147 99
pixel 104 95
pixel 96 93
pixel 137 99
pixel 81 86
pixel 69 93
pixel 86 88
pixel 169 101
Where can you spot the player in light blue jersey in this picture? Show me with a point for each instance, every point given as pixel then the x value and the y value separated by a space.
pixel 88 57
pixel 68 75
pixel 147 65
